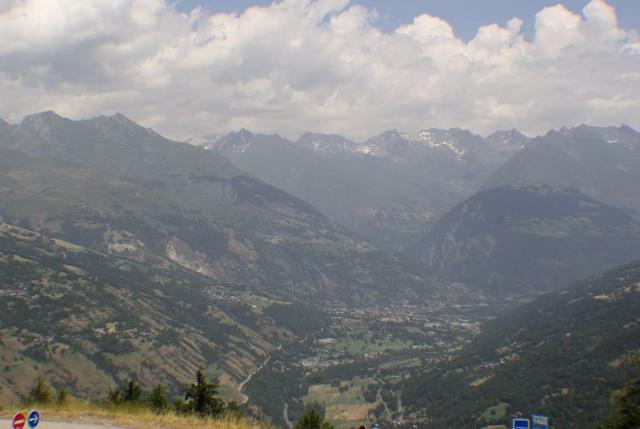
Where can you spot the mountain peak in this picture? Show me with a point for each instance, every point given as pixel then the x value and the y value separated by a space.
pixel 508 138
pixel 117 121
pixel 41 122
pixel 120 118
pixel 243 132
pixel 47 116
pixel 3 124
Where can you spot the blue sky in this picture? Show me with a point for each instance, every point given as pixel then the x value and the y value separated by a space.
pixel 465 15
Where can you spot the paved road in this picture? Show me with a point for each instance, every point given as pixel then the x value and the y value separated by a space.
pixel 44 424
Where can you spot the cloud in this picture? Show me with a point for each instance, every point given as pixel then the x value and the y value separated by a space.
pixel 323 65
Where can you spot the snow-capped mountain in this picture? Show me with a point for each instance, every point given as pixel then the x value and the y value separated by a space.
pixel 403 146
pixel 328 143
pixel 456 143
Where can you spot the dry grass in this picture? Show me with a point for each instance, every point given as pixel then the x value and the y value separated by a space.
pixel 132 417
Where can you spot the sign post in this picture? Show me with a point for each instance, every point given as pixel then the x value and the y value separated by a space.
pixel 33 419
pixel 521 424
pixel 19 420
pixel 539 422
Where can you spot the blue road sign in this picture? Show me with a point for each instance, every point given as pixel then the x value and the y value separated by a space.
pixel 521 424
pixel 539 422
pixel 33 419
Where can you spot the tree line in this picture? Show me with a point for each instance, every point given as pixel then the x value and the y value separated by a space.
pixel 199 398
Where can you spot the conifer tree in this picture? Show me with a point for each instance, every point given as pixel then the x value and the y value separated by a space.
pixel 312 420
pixel 158 400
pixel 201 396
pixel 62 396
pixel 132 392
pixel 40 392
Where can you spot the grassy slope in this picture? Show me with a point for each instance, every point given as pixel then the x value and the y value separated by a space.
pixel 90 320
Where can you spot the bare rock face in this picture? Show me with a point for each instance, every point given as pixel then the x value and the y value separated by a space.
pixel 179 252
pixel 124 243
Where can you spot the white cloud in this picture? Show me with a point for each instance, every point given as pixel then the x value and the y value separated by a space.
pixel 321 65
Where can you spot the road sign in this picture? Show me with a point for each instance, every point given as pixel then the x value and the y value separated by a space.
pixel 33 419
pixel 19 420
pixel 521 424
pixel 539 422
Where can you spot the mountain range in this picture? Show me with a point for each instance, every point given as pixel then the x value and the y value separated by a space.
pixel 136 256
pixel 114 186
pixel 389 189
pixel 602 162
pixel 562 208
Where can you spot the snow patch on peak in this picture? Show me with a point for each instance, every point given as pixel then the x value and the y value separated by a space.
pixel 435 139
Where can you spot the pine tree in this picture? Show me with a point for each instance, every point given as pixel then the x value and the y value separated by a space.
pixel 62 396
pixel 40 392
pixel 158 400
pixel 312 420
pixel 114 396
pixel 132 392
pixel 201 396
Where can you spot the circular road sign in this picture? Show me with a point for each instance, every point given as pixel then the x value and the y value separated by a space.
pixel 33 419
pixel 19 420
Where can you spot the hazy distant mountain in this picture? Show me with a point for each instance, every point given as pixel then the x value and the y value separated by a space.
pixel 388 189
pixel 454 143
pixel 562 355
pixel 112 185
pixel 604 163
pixel 508 139
pixel 509 240
pixel 328 143
pixel 3 124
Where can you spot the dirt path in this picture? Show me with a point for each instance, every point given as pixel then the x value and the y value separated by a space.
pixel 44 424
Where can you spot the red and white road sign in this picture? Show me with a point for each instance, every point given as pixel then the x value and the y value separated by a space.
pixel 19 421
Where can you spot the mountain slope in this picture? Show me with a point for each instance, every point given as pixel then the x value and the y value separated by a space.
pixel 604 163
pixel 513 240
pixel 113 186
pixel 90 321
pixel 561 355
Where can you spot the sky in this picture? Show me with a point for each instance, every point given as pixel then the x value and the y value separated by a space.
pixel 466 16
pixel 192 68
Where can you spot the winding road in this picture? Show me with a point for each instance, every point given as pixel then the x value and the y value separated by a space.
pixel 245 398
